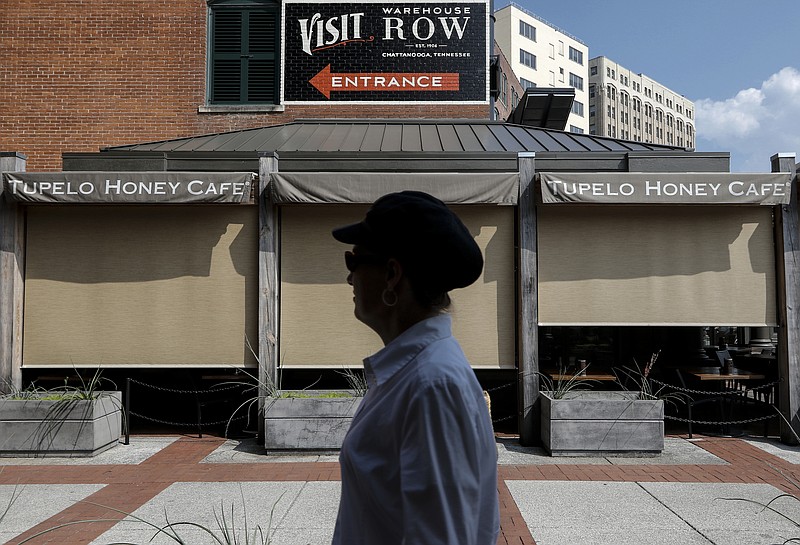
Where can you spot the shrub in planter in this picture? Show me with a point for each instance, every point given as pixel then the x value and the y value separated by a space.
pixel 597 422
pixel 578 421
pixel 60 422
pixel 304 419
pixel 308 420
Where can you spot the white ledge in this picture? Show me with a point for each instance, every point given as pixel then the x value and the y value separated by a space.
pixel 240 108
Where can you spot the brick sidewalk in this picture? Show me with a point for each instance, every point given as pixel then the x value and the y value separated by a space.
pixel 128 487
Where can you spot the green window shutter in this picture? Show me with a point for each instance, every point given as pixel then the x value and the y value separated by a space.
pixel 226 67
pixel 244 66
pixel 262 42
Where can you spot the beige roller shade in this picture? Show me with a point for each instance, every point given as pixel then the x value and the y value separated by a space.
pixel 631 265
pixel 317 326
pixel 140 285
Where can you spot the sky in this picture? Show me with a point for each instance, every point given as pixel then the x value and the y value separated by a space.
pixel 738 60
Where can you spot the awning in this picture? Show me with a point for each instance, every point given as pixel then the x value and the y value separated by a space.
pixel 665 188
pixel 128 187
pixel 367 187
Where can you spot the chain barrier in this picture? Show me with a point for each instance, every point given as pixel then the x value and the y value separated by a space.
pixel 685 390
pixel 501 387
pixel 198 424
pixel 187 424
pixel 726 422
pixel 212 389
pixel 490 390
pixel 496 388
pixel 716 392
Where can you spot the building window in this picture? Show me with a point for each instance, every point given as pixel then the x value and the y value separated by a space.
pixel 528 59
pixel 243 49
pixel 593 71
pixel 529 31
pixel 576 81
pixel 525 83
pixel 577 108
pixel 573 128
pixel 561 75
pixel 575 55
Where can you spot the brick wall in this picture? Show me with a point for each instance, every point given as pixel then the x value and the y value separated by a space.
pixel 78 75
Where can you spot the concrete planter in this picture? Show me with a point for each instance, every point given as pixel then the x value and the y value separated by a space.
pixel 40 427
pixel 596 423
pixel 308 423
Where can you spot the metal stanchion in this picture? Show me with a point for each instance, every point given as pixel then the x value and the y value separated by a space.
pixel 127 411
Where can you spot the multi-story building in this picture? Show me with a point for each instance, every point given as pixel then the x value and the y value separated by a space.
pixel 543 55
pixel 623 104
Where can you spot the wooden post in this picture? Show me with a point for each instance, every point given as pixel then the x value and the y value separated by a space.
pixel 528 342
pixel 12 267
pixel 267 284
pixel 787 240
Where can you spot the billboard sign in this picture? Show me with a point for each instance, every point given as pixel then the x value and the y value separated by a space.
pixel 379 52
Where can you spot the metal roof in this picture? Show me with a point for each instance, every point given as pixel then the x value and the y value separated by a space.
pixel 394 136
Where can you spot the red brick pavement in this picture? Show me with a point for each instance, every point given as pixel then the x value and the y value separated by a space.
pixel 130 486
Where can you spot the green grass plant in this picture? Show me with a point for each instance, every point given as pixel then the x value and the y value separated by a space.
pixel 560 388
pixel 639 377
pixel 15 494
pixel 771 505
pixel 224 531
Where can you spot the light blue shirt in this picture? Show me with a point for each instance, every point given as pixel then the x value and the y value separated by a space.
pixel 419 463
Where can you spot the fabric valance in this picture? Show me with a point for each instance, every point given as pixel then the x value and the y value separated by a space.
pixel 367 187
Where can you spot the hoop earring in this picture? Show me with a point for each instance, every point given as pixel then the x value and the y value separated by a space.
pixel 384 294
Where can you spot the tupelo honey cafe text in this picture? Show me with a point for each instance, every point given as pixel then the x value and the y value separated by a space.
pixel 120 187
pixel 657 188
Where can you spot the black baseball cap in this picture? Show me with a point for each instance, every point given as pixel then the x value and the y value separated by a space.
pixel 423 234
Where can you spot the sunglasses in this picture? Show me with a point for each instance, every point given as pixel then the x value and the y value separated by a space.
pixel 352 261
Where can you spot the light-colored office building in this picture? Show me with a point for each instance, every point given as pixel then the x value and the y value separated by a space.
pixel 630 106
pixel 542 55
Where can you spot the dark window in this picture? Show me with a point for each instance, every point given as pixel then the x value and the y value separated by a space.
pixel 528 59
pixel 576 81
pixel 243 60
pixel 527 30
pixel 576 55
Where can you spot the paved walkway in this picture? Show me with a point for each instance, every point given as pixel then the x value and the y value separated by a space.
pixel 673 498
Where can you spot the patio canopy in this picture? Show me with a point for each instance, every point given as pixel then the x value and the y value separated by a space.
pixel 366 187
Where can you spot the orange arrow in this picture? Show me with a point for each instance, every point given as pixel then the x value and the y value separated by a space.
pixel 326 81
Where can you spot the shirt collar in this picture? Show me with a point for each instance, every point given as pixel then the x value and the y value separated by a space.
pixel 385 363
